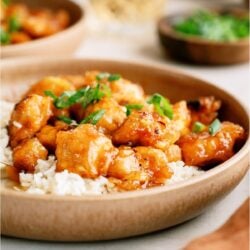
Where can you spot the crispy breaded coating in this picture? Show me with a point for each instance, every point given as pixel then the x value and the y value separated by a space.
pixel 182 117
pixel 113 117
pixel 146 129
pixel 124 92
pixel 139 167
pixel 54 84
pixel 28 117
pixel 26 154
pixel 154 162
pixel 204 110
pixel 203 149
pixel 47 136
pixel 124 164
pixel 173 153
pixel 84 151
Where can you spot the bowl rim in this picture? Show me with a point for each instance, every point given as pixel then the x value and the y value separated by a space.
pixel 219 169
pixel 164 27
pixel 62 33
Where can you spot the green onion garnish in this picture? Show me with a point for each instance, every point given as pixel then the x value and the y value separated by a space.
pixel 114 77
pixel 14 24
pixel 84 96
pixel 198 127
pixel 6 2
pixel 162 105
pixel 109 77
pixel 4 36
pixel 94 117
pixel 214 26
pixel 65 119
pixel 106 90
pixel 51 94
pixel 214 127
pixel 130 107
pixel 91 95
pixel 102 75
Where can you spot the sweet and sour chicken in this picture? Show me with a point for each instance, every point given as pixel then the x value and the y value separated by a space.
pixel 100 124
pixel 21 23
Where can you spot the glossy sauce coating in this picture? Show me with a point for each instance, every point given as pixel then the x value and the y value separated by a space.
pixel 132 148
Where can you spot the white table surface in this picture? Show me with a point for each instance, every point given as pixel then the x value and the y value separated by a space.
pixel 235 79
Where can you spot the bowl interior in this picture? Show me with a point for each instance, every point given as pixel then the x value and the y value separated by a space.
pixel 18 75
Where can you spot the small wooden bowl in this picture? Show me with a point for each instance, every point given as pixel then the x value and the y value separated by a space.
pixel 61 43
pixel 111 216
pixel 200 51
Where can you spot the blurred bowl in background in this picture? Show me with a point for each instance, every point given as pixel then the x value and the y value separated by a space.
pixel 199 50
pixel 61 43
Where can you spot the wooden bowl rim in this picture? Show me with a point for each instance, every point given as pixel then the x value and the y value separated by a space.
pixel 219 169
pixel 61 34
pixel 164 27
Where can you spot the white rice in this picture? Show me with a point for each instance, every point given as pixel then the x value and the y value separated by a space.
pixel 45 179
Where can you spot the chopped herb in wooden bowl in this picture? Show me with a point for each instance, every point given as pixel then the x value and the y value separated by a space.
pixel 214 26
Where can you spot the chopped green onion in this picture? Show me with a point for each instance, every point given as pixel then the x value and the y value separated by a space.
pixel 106 90
pixel 114 77
pixel 198 127
pixel 102 75
pixel 94 117
pixel 64 101
pixel 91 95
pixel 84 96
pixel 162 105
pixel 4 36
pixel 214 26
pixel 51 94
pixel 14 24
pixel 214 127
pixel 65 119
pixel 109 77
pixel 6 2
pixel 130 107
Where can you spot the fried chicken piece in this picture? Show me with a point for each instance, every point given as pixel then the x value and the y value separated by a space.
pixel 77 80
pixel 181 117
pixel 204 110
pixel 203 149
pixel 42 23
pixel 17 10
pixel 139 167
pixel 84 151
pixel 113 117
pixel 124 92
pixel 154 162
pixel 124 164
pixel 19 37
pixel 26 154
pixel 28 117
pixel 173 153
pixel 146 129
pixel 56 85
pixel 47 136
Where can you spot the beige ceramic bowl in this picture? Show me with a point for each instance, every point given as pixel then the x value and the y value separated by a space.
pixel 111 216
pixel 61 43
